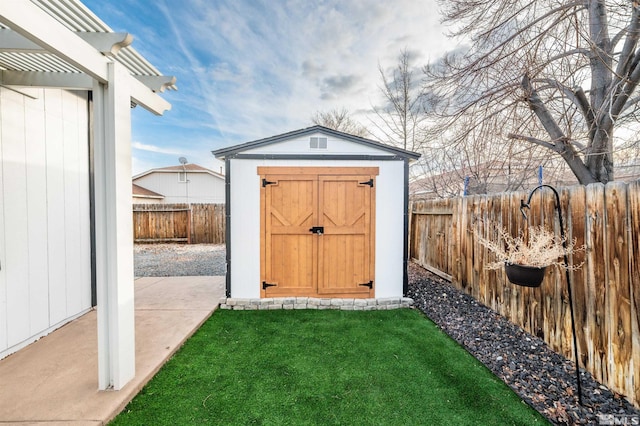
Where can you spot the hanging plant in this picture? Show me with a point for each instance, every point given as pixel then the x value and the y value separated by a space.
pixel 525 259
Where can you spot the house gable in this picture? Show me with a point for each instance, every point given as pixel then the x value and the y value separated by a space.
pixel 190 183
pixel 189 168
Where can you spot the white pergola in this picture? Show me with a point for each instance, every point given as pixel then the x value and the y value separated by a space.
pixel 62 44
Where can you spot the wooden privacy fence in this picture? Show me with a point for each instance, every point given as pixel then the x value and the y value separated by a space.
pixel 606 219
pixel 194 224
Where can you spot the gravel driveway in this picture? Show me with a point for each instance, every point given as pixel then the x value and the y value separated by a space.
pixel 179 260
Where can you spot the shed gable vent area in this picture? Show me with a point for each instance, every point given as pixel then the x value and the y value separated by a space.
pixel 317 143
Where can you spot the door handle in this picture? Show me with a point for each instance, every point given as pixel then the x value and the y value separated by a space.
pixel 317 230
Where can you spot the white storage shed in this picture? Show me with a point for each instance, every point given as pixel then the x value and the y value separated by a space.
pixel 316 213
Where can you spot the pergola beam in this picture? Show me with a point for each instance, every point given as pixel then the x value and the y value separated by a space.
pixel 140 93
pixel 13 42
pixel 143 96
pixel 36 25
pixel 60 80
pixel 108 44
pixel 157 83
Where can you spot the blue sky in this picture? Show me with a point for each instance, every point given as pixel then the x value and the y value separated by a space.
pixel 248 69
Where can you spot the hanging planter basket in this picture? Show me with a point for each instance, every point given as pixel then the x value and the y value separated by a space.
pixel 527 276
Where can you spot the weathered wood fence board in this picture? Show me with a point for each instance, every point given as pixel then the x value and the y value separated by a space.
pixel 634 277
pixel 195 223
pixel 606 287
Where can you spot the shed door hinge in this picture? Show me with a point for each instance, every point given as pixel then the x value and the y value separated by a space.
pixel 267 182
pixel 266 284
pixel 369 182
pixel 369 284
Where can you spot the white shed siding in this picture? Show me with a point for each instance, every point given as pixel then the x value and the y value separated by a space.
pixel 245 223
pixel 3 273
pixel 45 278
pixel 300 146
pixel 202 187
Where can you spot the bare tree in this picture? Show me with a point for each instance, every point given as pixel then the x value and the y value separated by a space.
pixel 469 151
pixel 559 75
pixel 401 116
pixel 341 120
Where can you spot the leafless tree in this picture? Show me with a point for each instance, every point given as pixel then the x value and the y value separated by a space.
pixel 341 120
pixel 401 116
pixel 468 151
pixel 562 76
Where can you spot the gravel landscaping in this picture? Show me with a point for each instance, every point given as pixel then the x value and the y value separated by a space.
pixel 542 378
pixel 179 260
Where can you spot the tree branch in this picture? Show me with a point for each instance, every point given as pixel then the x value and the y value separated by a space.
pixel 630 42
pixel 577 97
pixel 541 111
pixel 533 140
pixel 621 99
pixel 561 143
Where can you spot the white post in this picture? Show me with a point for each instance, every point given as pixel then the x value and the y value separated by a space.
pixel 114 229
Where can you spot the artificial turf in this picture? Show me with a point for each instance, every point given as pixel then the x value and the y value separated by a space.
pixel 307 367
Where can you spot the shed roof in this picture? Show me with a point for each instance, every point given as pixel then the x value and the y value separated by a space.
pixel 231 151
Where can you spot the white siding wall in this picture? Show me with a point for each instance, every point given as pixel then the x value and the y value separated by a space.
pixel 141 200
pixel 245 223
pixel 45 251
pixel 202 187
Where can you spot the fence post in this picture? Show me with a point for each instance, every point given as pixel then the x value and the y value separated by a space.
pixel 189 225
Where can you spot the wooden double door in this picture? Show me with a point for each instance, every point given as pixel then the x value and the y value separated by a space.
pixel 317 231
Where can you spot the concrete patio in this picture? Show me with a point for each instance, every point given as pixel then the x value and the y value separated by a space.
pixel 54 381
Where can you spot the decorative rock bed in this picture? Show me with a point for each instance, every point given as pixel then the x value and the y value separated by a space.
pixel 542 378
pixel 316 303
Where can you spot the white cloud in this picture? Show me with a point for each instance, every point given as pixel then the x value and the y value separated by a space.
pixel 249 69
pixel 262 67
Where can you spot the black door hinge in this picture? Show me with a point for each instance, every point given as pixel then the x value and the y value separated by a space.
pixel 266 182
pixel 266 284
pixel 369 182
pixel 369 284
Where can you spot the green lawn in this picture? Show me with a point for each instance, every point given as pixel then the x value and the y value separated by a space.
pixel 309 367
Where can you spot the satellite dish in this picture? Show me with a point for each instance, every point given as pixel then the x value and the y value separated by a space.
pixel 182 160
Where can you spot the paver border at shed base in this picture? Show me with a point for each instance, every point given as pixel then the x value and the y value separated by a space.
pixel 379 304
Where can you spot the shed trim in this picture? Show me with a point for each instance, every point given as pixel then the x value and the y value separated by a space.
pixel 233 151
pixel 405 254
pixel 303 170
pixel 227 227
pixel 351 157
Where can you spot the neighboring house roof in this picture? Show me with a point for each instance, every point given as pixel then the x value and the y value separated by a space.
pixel 236 149
pixel 191 168
pixel 139 191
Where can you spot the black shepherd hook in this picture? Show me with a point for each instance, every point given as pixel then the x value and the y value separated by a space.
pixel 524 205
